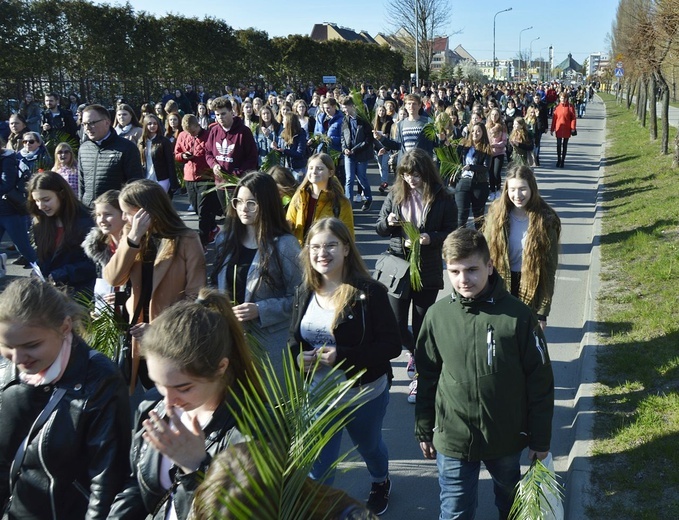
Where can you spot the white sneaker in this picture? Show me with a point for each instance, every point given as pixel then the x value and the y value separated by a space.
pixel 411 370
pixel 412 394
pixel 358 198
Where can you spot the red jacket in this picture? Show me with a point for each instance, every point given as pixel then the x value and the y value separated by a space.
pixel 563 120
pixel 195 167
pixel 234 151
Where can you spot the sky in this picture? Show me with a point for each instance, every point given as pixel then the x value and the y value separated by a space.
pixel 577 26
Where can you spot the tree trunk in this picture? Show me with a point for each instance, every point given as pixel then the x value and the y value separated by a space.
pixel 665 122
pixel 675 161
pixel 653 116
pixel 630 93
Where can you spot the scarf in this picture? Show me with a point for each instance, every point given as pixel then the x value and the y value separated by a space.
pixel 124 130
pixel 54 372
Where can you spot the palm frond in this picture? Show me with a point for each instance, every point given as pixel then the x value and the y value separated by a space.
pixel 449 161
pixel 531 502
pixel 272 159
pixel 289 426
pixel 361 108
pixel 103 328
pixel 321 143
pixel 414 254
pixel 430 132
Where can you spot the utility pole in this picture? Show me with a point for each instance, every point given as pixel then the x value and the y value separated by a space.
pixel 494 60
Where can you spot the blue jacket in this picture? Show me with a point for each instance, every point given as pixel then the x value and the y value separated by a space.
pixel 334 128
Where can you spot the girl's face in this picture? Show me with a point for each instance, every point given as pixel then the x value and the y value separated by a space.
pixel 48 201
pixel 519 192
pixel 108 218
pixel 284 110
pixel 177 93
pixel 128 212
pixel 266 116
pixel 152 126
pixel 124 117
pixel 402 113
pixel 301 109
pixel 202 110
pixel 15 125
pixel 174 121
pixel 246 206
pixel 477 133
pixel 414 180
pixel 516 125
pixel 318 173
pixel 327 254
pixel 381 111
pixel 30 143
pixel 159 110
pixel 30 347
pixel 494 115
pixel 247 109
pixel 181 390
pixel 64 155
pixel 256 104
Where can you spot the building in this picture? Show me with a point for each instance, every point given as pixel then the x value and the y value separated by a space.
pixel 597 61
pixel 325 31
pixel 445 57
pixel 570 69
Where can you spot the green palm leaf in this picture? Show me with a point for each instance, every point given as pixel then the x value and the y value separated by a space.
pixel 530 502
pixel 414 254
pixel 289 426
pixel 103 328
pixel 449 161
pixel 272 159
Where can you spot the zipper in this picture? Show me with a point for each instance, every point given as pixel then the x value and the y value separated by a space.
pixel 490 345
pixel 41 439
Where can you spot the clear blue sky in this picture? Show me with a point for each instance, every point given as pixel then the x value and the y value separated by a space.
pixel 576 26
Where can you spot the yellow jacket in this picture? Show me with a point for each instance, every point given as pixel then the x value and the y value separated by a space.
pixel 298 208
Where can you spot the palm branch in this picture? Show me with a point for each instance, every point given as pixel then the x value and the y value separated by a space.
pixel 59 136
pixel 289 426
pixel 530 502
pixel 323 144
pixel 272 159
pixel 449 160
pixel 103 328
pixel 414 254
pixel 361 108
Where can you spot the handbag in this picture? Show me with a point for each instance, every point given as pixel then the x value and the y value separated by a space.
pixel 393 272
pixel 17 200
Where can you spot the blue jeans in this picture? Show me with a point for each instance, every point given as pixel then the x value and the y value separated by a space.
pixel 365 430
pixel 16 228
pixel 383 165
pixel 356 170
pixel 459 482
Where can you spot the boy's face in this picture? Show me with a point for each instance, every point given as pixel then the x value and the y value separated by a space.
pixel 469 276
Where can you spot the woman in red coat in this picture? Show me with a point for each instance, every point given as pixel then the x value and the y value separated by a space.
pixel 563 122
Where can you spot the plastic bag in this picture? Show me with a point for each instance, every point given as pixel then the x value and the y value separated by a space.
pixel 552 506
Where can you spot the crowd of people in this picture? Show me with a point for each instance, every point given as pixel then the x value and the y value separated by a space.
pixel 283 174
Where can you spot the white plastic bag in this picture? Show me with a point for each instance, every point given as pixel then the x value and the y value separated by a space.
pixel 552 505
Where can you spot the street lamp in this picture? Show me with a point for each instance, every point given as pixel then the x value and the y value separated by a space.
pixel 520 60
pixel 503 11
pixel 530 54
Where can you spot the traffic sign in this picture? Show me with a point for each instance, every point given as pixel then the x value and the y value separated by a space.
pixel 619 72
pixel 330 80
pixel 618 65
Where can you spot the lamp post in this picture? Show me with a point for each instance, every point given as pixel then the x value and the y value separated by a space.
pixel 520 60
pixel 503 11
pixel 417 54
pixel 530 54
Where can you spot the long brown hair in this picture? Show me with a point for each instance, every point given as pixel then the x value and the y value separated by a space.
pixel 291 128
pixel 334 190
pixel 416 161
pixel 541 219
pixel 354 272
pixel 484 145
pixel 165 221
pixel 44 227
pixel 196 336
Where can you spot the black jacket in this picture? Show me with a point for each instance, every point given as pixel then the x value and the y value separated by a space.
pixel 162 155
pixel 9 181
pixel 367 335
pixel 479 168
pixel 143 493
pixel 439 221
pixel 62 122
pixel 77 462
pixel 69 265
pixel 362 144
pixel 107 166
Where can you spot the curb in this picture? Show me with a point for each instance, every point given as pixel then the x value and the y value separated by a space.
pixel 577 484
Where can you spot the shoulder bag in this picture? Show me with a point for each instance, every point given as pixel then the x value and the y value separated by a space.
pixel 393 272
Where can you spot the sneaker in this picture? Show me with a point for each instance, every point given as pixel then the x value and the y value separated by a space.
pixel 358 198
pixel 366 205
pixel 383 187
pixel 21 261
pixel 378 501
pixel 212 236
pixel 190 208
pixel 410 368
pixel 412 394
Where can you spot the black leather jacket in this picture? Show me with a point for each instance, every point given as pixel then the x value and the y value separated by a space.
pixel 76 464
pixel 143 493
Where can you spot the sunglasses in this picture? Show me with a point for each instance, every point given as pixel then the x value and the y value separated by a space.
pixel 30 141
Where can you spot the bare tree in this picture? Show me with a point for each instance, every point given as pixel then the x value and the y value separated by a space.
pixel 427 19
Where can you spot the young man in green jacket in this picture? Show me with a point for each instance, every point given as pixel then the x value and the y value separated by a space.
pixel 486 387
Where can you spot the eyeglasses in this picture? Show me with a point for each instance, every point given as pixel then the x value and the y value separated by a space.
pixel 90 124
pixel 30 141
pixel 412 175
pixel 250 205
pixel 330 247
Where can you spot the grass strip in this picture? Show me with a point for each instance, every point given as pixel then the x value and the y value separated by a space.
pixel 636 433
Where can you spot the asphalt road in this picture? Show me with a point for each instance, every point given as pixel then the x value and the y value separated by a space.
pixel 573 193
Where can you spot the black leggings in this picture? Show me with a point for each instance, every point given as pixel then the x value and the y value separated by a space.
pixel 475 196
pixel 561 148
pixel 495 172
pixel 421 301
